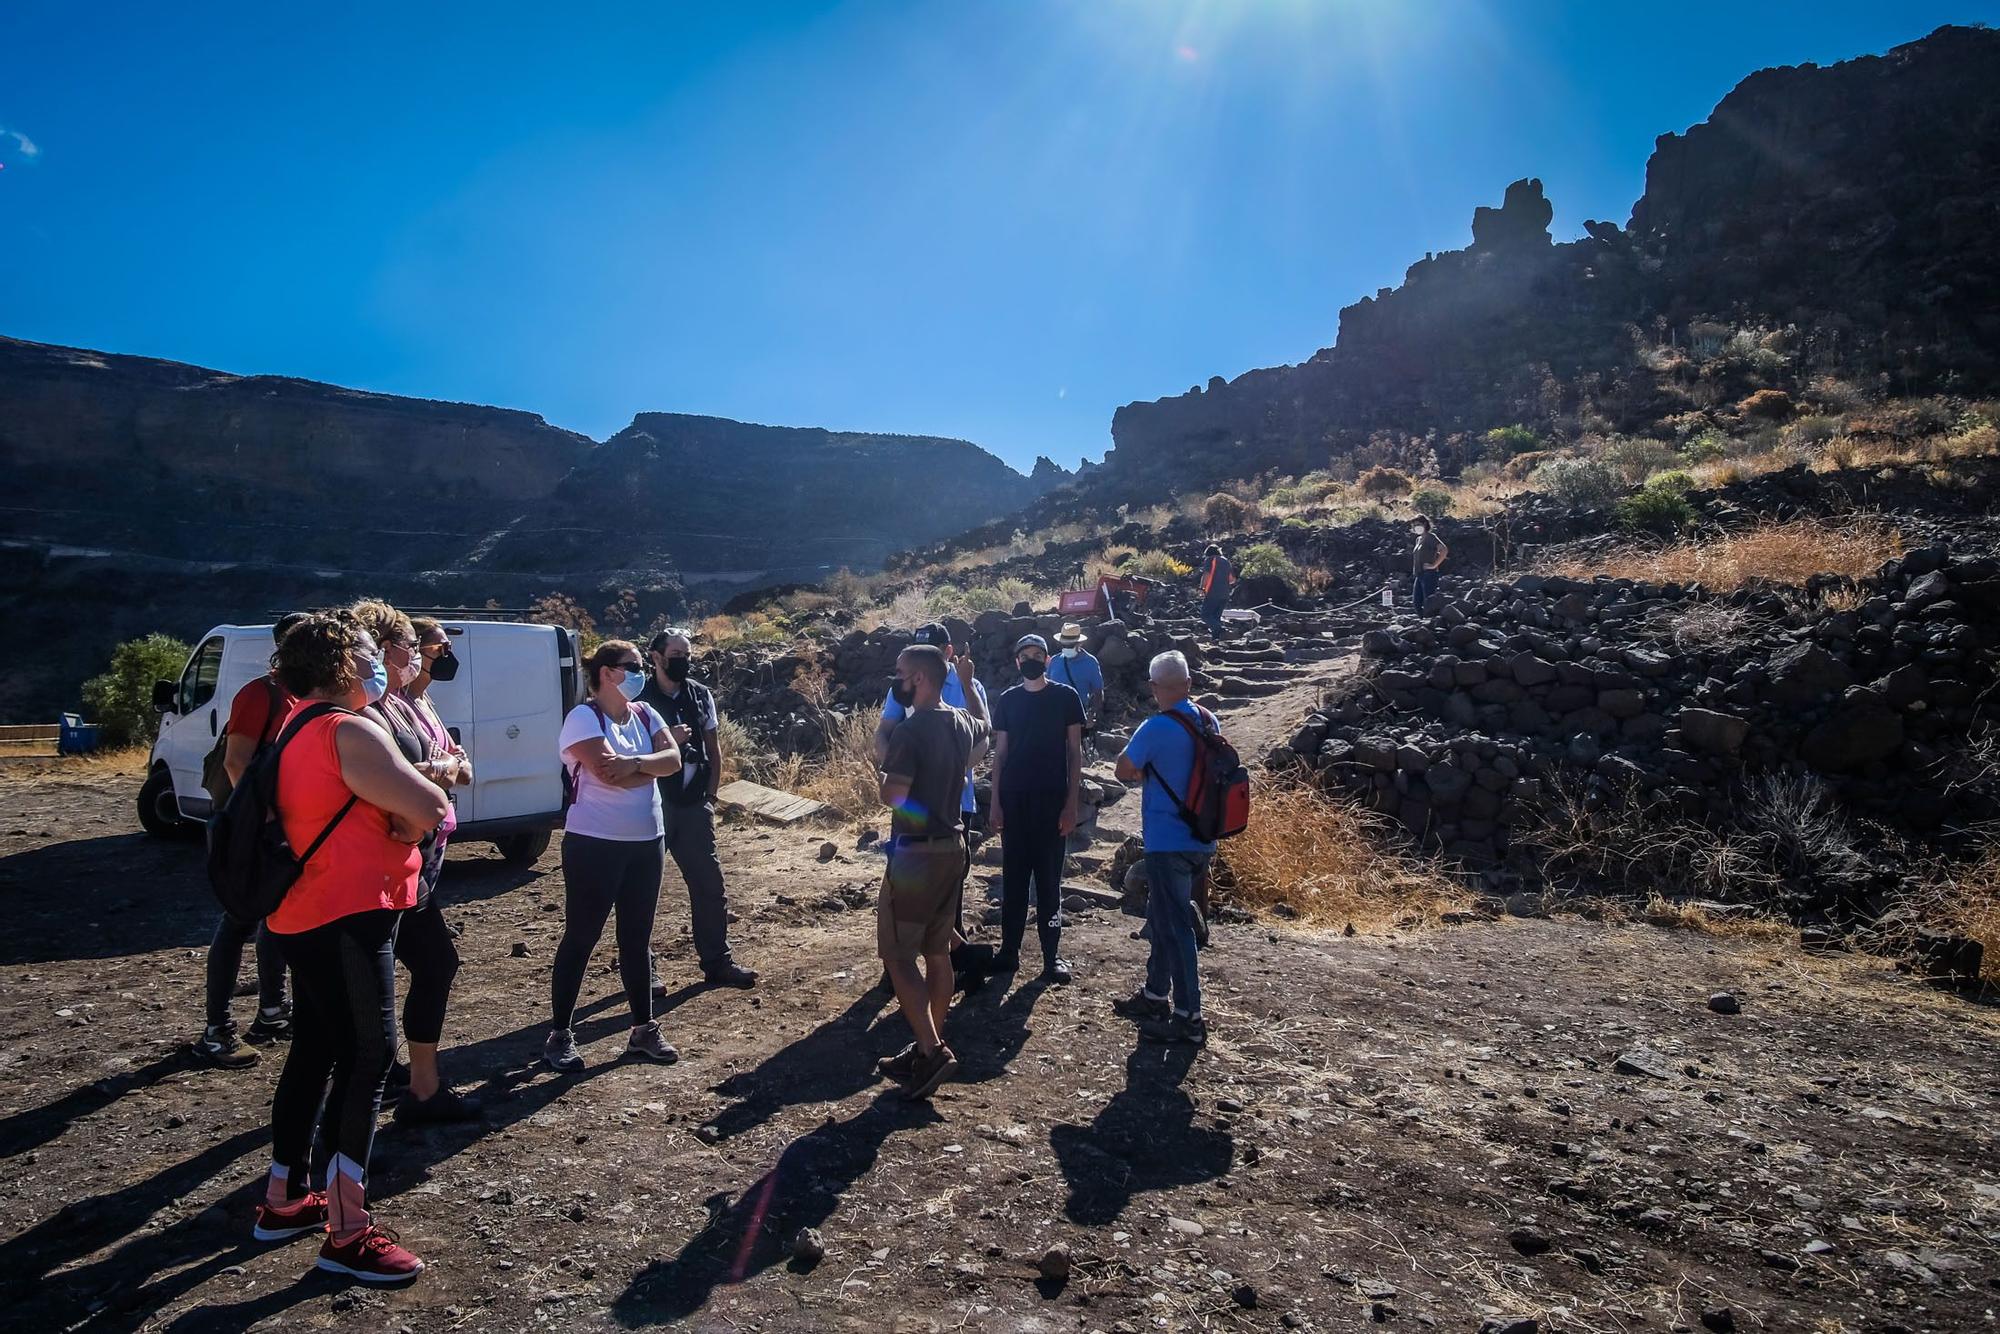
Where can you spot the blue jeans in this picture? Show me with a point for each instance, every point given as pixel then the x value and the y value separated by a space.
pixel 1211 613
pixel 1426 584
pixel 1170 967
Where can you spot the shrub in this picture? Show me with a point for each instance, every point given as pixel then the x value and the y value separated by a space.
pixel 1675 481
pixel 1767 405
pixel 1155 565
pixel 1431 500
pixel 1814 429
pixel 1504 442
pixel 121 700
pixel 1783 553
pixel 1225 513
pixel 1705 446
pixel 1524 465
pixel 1296 522
pixel 1267 558
pixel 1580 483
pixel 1380 482
pixel 1655 510
pixel 1635 458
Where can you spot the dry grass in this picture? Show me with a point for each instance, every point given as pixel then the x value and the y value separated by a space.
pixel 1965 899
pixel 845 778
pixel 115 762
pixel 1782 553
pixel 1325 860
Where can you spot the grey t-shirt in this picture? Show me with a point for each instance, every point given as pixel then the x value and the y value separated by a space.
pixel 932 748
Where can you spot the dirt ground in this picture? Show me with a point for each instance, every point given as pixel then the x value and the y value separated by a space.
pixel 1422 1133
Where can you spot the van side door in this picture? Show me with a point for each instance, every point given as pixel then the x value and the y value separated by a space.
pixel 188 736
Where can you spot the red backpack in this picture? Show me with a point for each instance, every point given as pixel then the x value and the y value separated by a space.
pixel 1217 803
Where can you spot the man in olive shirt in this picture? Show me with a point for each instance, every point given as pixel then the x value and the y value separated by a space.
pixel 923 778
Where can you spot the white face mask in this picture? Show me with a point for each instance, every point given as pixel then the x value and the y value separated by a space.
pixel 1069 653
pixel 633 683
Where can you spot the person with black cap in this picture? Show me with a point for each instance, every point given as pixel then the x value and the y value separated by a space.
pixel 687 800
pixel 1218 577
pixel 1037 783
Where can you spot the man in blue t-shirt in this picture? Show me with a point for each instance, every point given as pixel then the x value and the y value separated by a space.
pixel 1073 666
pixel 962 690
pixel 1161 755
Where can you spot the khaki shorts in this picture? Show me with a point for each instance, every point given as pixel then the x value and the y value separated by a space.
pixel 919 903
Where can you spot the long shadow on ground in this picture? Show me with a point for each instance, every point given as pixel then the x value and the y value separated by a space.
pixel 1144 1139
pixel 750 1233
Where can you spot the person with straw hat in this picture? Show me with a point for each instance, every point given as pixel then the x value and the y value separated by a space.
pixel 1074 667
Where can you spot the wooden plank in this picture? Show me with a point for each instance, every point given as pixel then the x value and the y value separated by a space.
pixel 30 732
pixel 767 803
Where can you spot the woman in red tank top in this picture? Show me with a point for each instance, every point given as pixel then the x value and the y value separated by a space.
pixel 341 775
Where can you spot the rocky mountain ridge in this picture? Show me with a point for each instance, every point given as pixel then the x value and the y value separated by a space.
pixel 149 494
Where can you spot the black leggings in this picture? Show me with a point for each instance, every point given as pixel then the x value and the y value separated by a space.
pixel 343 1037
pixel 600 875
pixel 1032 847
pixel 225 961
pixel 424 945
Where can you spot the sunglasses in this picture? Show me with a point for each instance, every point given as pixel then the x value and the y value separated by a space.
pixel 627 666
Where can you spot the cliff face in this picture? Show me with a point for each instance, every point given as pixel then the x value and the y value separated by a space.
pixel 148 495
pixel 1859 201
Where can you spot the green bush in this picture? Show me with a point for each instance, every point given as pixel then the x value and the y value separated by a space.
pixel 1225 513
pixel 1674 481
pixel 1504 442
pixel 1155 565
pixel 121 700
pixel 1654 509
pixel 1705 447
pixel 1635 457
pixel 1267 558
pixel 1581 483
pixel 1430 500
pixel 1296 522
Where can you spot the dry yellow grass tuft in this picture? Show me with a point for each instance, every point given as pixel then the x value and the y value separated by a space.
pixel 1326 861
pixel 1782 553
pixel 1966 899
pixel 845 778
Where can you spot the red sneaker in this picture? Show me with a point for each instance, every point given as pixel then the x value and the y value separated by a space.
pixel 307 1214
pixel 372 1257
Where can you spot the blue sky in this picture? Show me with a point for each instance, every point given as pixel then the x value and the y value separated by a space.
pixel 995 220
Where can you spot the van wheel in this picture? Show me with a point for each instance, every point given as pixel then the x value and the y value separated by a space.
pixel 523 849
pixel 157 812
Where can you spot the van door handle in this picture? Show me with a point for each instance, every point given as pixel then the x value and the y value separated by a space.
pixel 211 722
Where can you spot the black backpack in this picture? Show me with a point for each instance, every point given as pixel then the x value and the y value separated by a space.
pixel 251 865
pixel 214 775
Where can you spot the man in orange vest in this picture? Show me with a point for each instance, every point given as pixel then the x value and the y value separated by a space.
pixel 1217 578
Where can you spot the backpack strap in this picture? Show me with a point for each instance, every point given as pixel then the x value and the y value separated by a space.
pixel 1196 734
pixel 275 696
pixel 311 713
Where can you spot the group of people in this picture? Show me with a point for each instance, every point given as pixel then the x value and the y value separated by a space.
pixel 363 768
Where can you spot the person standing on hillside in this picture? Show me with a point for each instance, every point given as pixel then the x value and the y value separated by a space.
pixel 1162 751
pixel 1427 555
pixel 1077 669
pixel 256 714
pixel 929 754
pixel 1218 577
pixel 1037 781
pixel 687 804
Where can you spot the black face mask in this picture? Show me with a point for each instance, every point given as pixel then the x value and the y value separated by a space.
pixel 677 669
pixel 446 666
pixel 905 695
pixel 1032 668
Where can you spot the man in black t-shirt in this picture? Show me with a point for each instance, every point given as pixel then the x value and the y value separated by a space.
pixel 1037 779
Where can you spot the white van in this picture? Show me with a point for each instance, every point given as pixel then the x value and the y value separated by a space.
pixel 515 683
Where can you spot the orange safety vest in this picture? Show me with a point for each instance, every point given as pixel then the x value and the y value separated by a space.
pixel 1208 576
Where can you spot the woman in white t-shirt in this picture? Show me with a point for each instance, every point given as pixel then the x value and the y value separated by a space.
pixel 614 749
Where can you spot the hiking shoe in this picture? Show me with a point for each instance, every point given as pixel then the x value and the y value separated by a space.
pixel 1059 972
pixel 560 1053
pixel 1179 1028
pixel 899 1066
pixel 270 1027
pixel 729 973
pixel 372 1257
pixel 926 1073
pixel 218 1047
pixel 445 1107
pixel 1139 1005
pixel 648 1044
pixel 307 1214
